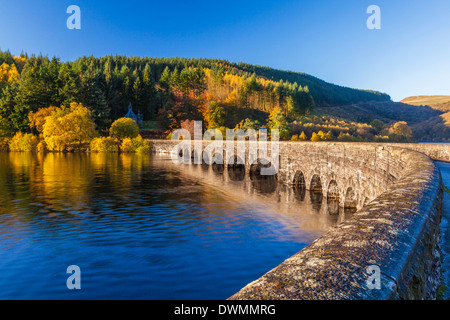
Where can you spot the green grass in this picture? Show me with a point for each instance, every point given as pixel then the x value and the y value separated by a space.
pixel 150 125
pixel 441 291
pixel 446 189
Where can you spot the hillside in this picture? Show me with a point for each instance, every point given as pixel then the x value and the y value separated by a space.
pixel 386 111
pixel 437 102
pixel 170 92
pixel 323 92
pixel 428 124
pixel 158 87
pixel 435 128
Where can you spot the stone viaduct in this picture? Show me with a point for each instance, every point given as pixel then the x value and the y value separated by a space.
pixel 398 194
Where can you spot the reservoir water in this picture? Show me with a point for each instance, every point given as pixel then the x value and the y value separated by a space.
pixel 141 227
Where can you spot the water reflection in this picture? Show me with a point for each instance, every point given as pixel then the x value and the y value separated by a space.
pixel 236 172
pixel 142 227
pixel 234 179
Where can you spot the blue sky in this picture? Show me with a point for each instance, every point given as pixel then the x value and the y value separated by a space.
pixel 325 38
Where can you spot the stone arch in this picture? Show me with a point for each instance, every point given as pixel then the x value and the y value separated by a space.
pixel 299 184
pixel 316 192
pixel 333 190
pixel 236 170
pixel 316 184
pixel 265 184
pixel 299 180
pixel 194 156
pixel 184 154
pixel 333 198
pixel 217 163
pixel 217 158
pixel 255 171
pixel 219 168
pixel 350 199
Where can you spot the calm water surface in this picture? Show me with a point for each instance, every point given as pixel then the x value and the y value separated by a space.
pixel 445 172
pixel 140 227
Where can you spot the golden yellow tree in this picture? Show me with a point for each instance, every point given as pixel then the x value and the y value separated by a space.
pixel 37 119
pixel 315 137
pixel 69 129
pixel 302 136
pixel 8 73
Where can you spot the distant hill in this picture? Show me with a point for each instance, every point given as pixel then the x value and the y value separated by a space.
pixel 433 128
pixel 386 111
pixel 436 102
pixel 324 93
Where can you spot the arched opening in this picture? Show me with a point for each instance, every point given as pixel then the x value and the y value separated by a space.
pixel 262 183
pixel 217 163
pixel 196 158
pixel 299 180
pixel 185 155
pixel 350 198
pixel 236 169
pixel 333 198
pixel 205 161
pixel 256 173
pixel 315 192
pixel 299 186
pixel 316 184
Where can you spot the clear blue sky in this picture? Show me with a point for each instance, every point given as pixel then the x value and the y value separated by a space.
pixel 325 38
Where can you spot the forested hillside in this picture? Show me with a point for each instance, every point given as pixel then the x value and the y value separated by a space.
pixel 324 93
pixel 156 85
pixel 171 92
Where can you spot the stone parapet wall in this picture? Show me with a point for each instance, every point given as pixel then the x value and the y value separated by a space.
pixel 399 195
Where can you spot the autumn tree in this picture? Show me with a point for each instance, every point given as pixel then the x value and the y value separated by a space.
pixel 329 136
pixel 278 121
pixel 400 132
pixel 37 119
pixel 124 128
pixel 69 129
pixel 215 115
pixel 302 137
pixel 315 137
pixel 249 124
pixel 377 125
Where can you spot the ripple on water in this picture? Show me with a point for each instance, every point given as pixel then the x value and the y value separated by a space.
pixel 141 227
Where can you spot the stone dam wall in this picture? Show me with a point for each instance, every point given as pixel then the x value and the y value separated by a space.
pixel 434 151
pixel 398 193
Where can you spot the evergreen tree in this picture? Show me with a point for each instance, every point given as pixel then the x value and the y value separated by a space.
pixel 93 98
pixel 165 80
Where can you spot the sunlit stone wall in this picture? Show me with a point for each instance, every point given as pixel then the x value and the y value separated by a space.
pixel 399 196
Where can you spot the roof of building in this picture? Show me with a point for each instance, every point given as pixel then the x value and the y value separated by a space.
pixel 130 113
